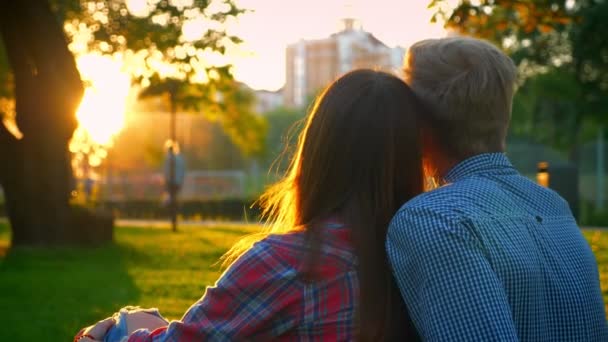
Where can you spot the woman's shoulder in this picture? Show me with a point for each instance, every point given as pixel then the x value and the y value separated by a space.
pixel 287 248
pixel 289 241
pixel 294 247
pixel 333 236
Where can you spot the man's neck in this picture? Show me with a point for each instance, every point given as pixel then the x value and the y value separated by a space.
pixel 436 169
pixel 444 166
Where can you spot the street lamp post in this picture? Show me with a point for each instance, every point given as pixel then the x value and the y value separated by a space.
pixel 172 152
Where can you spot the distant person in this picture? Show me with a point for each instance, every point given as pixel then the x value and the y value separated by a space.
pixel 489 255
pixel 321 273
pixel 89 185
pixel 175 175
pixel 173 186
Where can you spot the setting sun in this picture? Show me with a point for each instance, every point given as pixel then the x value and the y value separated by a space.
pixel 101 114
pixel 102 110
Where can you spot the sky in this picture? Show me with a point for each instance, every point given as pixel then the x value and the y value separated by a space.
pixel 274 24
pixel 267 29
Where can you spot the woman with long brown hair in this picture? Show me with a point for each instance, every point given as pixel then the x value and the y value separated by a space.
pixel 320 272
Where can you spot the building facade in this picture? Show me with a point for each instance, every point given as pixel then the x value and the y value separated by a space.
pixel 313 64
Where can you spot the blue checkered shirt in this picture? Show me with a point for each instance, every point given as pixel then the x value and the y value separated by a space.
pixel 491 256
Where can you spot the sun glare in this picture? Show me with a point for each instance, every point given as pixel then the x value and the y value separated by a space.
pixel 102 110
pixel 101 114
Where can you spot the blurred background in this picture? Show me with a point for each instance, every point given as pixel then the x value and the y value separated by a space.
pixel 119 115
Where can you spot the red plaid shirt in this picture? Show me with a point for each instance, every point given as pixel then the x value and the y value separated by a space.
pixel 261 296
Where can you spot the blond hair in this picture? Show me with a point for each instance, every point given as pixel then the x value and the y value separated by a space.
pixel 469 85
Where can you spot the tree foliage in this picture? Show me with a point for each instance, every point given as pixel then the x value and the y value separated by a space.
pixel 169 47
pixel 167 38
pixel 284 127
pixel 528 30
pixel 166 44
pixel 561 49
pixel 234 111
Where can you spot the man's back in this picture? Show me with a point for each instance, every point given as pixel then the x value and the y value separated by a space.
pixel 493 256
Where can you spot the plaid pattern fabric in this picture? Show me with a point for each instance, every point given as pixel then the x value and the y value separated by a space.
pixel 261 296
pixel 491 256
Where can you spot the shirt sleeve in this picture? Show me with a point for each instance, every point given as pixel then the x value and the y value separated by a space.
pixel 254 299
pixel 448 284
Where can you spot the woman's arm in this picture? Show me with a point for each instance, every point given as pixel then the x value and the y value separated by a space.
pixel 143 320
pixel 95 332
pixel 256 297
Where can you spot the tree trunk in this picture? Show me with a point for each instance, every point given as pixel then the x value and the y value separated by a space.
pixel 35 171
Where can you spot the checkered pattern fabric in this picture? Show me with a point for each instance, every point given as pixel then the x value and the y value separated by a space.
pixel 261 297
pixel 491 256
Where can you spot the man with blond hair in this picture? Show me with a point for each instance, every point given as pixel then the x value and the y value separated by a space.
pixel 488 255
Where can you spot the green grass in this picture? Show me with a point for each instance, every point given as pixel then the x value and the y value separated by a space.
pixel 598 239
pixel 48 294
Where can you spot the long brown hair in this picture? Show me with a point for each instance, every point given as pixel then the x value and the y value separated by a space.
pixel 357 159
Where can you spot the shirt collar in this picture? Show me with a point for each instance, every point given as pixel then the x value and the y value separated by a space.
pixel 479 164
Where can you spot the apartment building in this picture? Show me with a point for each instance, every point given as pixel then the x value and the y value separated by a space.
pixel 312 64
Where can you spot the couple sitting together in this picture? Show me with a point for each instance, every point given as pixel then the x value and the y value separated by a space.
pixel 357 250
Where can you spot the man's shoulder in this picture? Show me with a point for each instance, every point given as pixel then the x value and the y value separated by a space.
pixel 483 196
pixel 435 209
pixel 442 199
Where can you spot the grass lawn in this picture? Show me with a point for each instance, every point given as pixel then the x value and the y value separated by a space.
pixel 598 239
pixel 48 294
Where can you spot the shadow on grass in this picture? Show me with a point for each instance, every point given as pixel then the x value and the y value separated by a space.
pixel 48 294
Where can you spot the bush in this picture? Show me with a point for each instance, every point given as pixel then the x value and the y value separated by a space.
pixel 591 216
pixel 90 226
pixel 598 219
pixel 221 209
pixel 104 212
